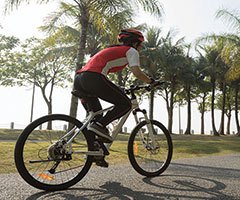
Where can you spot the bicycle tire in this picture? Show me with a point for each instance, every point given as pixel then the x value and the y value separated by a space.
pixel 31 144
pixel 152 165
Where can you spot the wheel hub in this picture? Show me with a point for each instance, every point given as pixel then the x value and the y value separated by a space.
pixel 56 152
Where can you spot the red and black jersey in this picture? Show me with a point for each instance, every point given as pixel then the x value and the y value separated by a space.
pixel 112 59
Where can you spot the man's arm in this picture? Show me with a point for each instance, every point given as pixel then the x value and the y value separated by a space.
pixel 140 75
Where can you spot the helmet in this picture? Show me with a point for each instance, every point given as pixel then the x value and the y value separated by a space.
pixel 130 36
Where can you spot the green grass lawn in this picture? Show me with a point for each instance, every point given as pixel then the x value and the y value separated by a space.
pixel 184 146
pixel 9 134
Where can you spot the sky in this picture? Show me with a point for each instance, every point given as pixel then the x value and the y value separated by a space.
pixel 190 18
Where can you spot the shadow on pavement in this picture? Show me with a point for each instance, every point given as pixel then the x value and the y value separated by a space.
pixel 185 182
pixel 176 187
pixel 190 187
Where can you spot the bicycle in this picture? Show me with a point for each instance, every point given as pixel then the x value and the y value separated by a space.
pixel 56 151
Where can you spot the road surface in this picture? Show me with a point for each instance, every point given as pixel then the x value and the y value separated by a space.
pixel 214 177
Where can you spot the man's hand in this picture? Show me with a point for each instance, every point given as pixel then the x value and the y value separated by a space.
pixel 140 75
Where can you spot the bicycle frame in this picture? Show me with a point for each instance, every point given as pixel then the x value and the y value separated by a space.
pixel 135 108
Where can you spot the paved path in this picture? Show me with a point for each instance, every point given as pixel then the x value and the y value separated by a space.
pixel 215 177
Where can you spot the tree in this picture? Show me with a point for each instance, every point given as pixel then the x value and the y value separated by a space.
pixel 222 69
pixel 7 46
pixel 236 85
pixel 218 75
pixel 149 60
pixel 35 65
pixel 225 58
pixel 202 90
pixel 212 56
pixel 203 103
pixel 232 55
pixel 100 14
pixel 170 58
pixel 187 78
pixel 229 101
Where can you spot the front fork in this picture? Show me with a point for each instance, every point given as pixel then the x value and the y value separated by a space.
pixel 149 127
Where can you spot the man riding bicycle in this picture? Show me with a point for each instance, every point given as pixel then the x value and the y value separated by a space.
pixel 92 79
pixel 61 158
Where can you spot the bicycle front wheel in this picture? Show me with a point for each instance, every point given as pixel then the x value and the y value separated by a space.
pixel 150 156
pixel 45 160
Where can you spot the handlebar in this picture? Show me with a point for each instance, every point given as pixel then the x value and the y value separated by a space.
pixel 148 87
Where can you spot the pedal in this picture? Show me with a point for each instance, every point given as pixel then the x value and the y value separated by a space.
pixel 100 161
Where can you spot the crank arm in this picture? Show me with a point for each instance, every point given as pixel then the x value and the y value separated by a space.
pixel 54 167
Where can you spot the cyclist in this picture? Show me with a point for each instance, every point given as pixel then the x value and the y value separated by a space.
pixel 92 80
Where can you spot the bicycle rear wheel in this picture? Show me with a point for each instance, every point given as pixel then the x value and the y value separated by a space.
pixel 44 160
pixel 144 157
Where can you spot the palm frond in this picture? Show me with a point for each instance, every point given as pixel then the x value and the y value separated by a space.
pixel 232 17
pixel 13 4
pixel 154 7
pixel 53 21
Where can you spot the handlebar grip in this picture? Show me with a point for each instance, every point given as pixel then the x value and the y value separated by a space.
pixel 148 87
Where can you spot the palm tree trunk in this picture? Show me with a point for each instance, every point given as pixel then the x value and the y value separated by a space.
pixel 170 110
pixel 236 109
pixel 84 21
pixel 221 129
pixel 170 120
pixel 229 115
pixel 188 129
pixel 203 113
pixel 202 123
pixel 212 110
pixel 151 104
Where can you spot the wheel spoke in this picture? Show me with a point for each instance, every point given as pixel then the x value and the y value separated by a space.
pixel 148 157
pixel 44 160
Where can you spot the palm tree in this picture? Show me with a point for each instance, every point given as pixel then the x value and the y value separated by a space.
pixel 150 60
pixel 236 85
pixel 202 90
pixel 100 14
pixel 222 69
pixel 212 56
pixel 170 58
pixel 187 78
pixel 231 53
pixel 233 19
pixel 236 108
pixel 202 105
pixel 229 105
pixel 224 59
